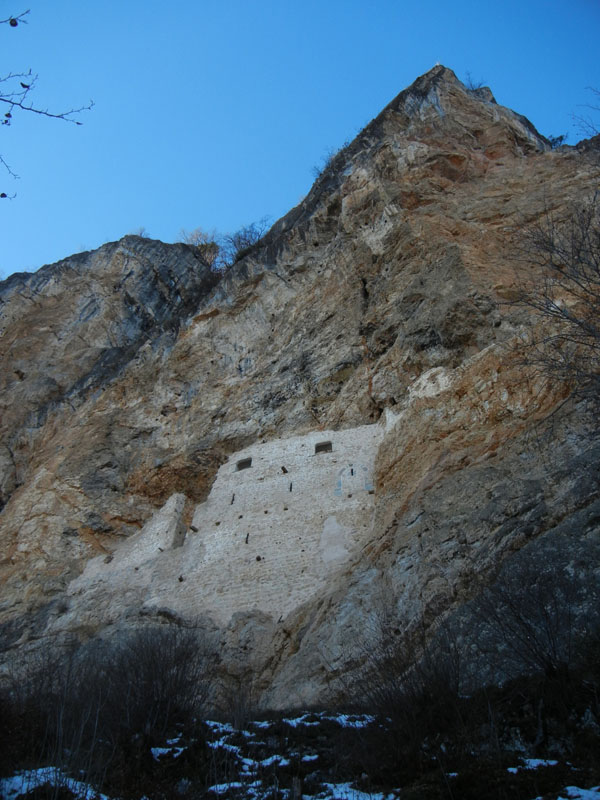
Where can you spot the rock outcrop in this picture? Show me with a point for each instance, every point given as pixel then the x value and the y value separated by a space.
pixel 380 304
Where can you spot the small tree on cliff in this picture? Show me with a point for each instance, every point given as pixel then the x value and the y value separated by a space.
pixel 565 251
pixel 207 245
pixel 236 245
pixel 221 251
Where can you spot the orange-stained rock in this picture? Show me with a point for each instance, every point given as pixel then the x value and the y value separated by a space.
pixel 133 374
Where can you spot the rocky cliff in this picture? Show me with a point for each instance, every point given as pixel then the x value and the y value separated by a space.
pixel 375 317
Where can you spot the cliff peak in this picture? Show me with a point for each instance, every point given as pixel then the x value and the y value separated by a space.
pixel 338 418
pixel 437 111
pixel 440 93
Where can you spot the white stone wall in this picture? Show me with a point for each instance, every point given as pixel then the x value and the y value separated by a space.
pixel 163 532
pixel 256 543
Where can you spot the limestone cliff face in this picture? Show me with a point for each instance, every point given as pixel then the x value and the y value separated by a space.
pixel 132 375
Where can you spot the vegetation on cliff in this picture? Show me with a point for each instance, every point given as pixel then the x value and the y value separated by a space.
pixel 564 250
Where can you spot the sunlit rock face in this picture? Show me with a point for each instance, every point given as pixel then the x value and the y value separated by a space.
pixel 376 316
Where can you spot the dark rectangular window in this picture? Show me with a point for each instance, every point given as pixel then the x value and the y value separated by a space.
pixel 245 463
pixel 323 447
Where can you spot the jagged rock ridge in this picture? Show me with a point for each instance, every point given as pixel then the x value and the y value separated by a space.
pixel 131 375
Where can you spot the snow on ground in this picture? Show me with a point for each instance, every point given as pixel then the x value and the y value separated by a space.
pixel 221 788
pixel 279 760
pixel 352 720
pixel 334 791
pixel 173 752
pixel 256 778
pixel 581 794
pixel 28 780
pixel 220 727
pixel 532 763
pixel 345 791
pixel 302 720
pixel 343 720
pixel 223 743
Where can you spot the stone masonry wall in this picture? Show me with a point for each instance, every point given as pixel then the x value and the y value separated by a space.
pixel 269 536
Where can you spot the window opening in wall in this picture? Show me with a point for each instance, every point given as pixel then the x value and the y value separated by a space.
pixel 290 486
pixel 351 470
pixel 245 463
pixel 232 498
pixel 284 470
pixel 323 447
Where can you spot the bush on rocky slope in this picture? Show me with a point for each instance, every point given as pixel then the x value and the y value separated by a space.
pixel 97 710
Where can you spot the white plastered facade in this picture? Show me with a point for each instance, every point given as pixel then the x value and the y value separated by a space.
pixel 268 537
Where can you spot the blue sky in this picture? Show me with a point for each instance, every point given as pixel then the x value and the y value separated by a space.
pixel 213 114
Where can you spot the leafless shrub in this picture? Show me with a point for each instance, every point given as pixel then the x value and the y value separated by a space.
pixel 472 83
pixel 197 237
pixel 140 231
pixel 207 244
pixel 221 251
pixel 416 688
pixel 95 710
pixel 237 701
pixel 529 620
pixel 237 245
pixel 51 706
pixel 565 252
pixel 156 677
pixel 328 159
pixel 538 616
pixel 587 124
pixel 536 627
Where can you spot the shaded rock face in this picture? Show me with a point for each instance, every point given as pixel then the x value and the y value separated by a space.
pixel 70 329
pixel 131 375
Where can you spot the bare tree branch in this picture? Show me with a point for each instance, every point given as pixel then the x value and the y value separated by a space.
pixel 236 245
pixel 7 167
pixel 566 298
pixel 586 124
pixel 64 115
pixel 14 21
pixel 15 88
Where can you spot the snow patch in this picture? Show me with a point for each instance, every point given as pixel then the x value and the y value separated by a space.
pixel 532 763
pixel 303 720
pixel 581 794
pixel 345 791
pixel 344 720
pixel 157 752
pixel 280 760
pixel 28 780
pixel 221 788
pixel 352 720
